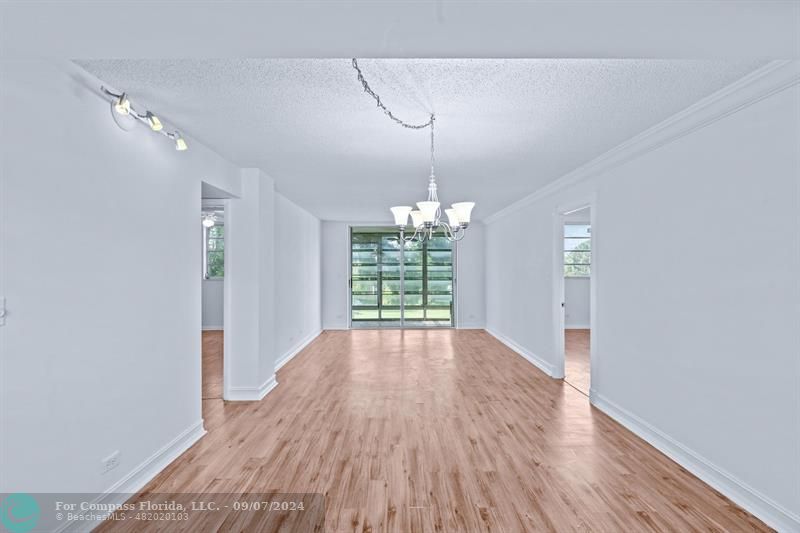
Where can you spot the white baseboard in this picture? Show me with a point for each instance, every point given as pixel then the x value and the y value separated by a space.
pixel 578 326
pixel 773 514
pixel 531 357
pixel 137 478
pixel 336 327
pixel 213 328
pixel 471 325
pixel 288 356
pixel 252 394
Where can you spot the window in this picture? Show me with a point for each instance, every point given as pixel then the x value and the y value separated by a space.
pixel 577 250
pixel 420 275
pixel 215 251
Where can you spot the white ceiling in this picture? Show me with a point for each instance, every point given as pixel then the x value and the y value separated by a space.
pixel 505 127
pixel 667 29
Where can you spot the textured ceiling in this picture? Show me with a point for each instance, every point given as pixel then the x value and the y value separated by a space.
pixel 504 127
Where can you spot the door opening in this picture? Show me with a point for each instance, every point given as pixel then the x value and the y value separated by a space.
pixel 575 274
pixel 212 275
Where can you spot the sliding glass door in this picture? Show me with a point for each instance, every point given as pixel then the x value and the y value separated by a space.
pixel 396 286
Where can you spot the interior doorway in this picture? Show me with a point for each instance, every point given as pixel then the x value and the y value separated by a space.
pixel 575 251
pixel 212 275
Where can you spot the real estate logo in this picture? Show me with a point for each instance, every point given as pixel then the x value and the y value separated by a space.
pixel 20 512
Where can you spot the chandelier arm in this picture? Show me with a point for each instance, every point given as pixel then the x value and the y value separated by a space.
pixel 450 233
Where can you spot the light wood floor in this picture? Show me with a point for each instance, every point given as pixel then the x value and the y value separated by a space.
pixel 212 365
pixel 576 364
pixel 441 430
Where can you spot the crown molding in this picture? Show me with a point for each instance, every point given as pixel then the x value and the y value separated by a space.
pixel 762 83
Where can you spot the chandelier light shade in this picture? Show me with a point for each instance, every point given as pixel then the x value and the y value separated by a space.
pixel 427 218
pixel 452 217
pixel 463 211
pixel 208 221
pixel 401 213
pixel 429 210
pixel 416 219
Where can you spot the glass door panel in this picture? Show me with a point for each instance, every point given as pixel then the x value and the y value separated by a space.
pixel 395 286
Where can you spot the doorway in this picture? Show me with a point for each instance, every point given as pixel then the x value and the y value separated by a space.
pixel 400 285
pixel 575 274
pixel 212 272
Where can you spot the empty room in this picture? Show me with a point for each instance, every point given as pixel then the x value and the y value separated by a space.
pixel 455 266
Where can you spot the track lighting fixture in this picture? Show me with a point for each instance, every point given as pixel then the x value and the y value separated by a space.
pixel 180 143
pixel 122 106
pixel 153 122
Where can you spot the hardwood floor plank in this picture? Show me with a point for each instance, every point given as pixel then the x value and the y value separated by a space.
pixel 444 430
pixel 577 370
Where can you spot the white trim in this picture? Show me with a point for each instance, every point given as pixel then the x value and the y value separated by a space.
pixel 531 357
pixel 137 478
pixel 471 325
pixel 772 513
pixel 213 328
pixel 227 303
pixel 252 394
pixel 289 355
pixel 336 328
pixel 578 326
pixel 763 82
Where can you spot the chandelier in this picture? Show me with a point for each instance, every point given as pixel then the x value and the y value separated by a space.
pixel 426 219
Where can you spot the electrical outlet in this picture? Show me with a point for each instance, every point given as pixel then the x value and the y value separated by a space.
pixel 110 462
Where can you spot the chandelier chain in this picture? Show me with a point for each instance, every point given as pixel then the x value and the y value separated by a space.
pixel 386 111
pixel 433 157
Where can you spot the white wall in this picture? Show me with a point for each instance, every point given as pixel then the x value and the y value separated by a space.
pixel 101 349
pixel 335 275
pixel 298 284
pixel 696 336
pixel 576 303
pixel 213 300
pixel 470 276
pixel 470 312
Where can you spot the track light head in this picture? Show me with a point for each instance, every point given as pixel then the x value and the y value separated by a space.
pixel 180 143
pixel 123 105
pixel 153 122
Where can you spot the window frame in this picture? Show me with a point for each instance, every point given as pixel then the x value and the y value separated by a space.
pixel 403 308
pixel 207 250
pixel 564 250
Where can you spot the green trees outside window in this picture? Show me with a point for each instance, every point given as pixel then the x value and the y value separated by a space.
pixel 577 250
pixel 215 251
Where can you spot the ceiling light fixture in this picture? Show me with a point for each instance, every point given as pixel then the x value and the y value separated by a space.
pixel 427 218
pixel 121 105
pixel 180 142
pixel 153 121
